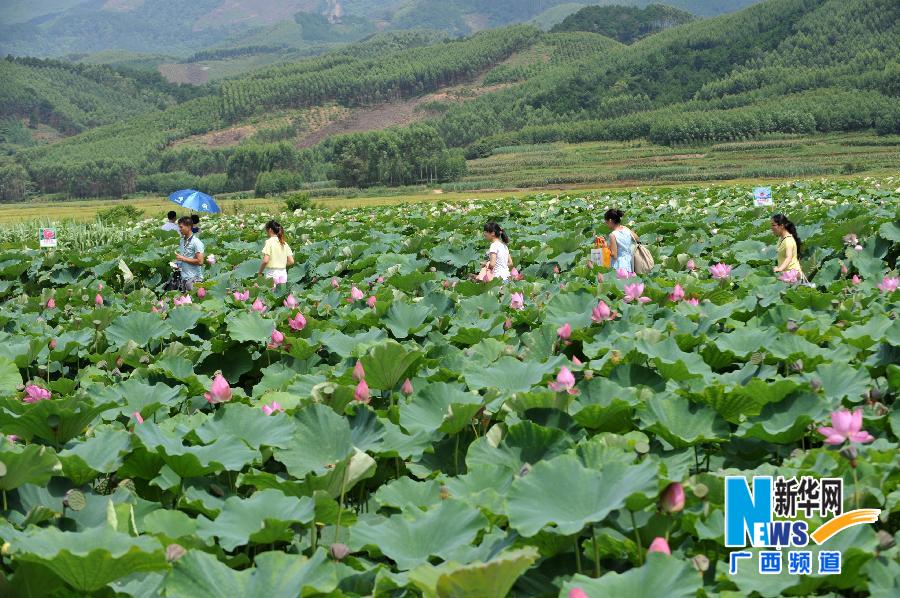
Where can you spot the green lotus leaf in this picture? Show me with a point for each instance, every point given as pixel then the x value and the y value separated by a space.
pixel 440 406
pixel 786 421
pixel 198 575
pixel 410 539
pixel 492 579
pixel 841 380
pixel 406 493
pixel 29 464
pixel 744 341
pixel 101 453
pixel 263 518
pixel 567 496
pixel 402 319
pixel 388 364
pixel 87 560
pixel 604 406
pixel 524 442
pixel 661 575
pixel 226 453
pixel 139 327
pixel 134 395
pixel 357 344
pixel 367 430
pixel 680 422
pixel 672 362
pixel 321 441
pixel 183 319
pixel 570 308
pixel 509 374
pixel 250 424
pixel 483 487
pixel 55 421
pixel 10 377
pixel 250 327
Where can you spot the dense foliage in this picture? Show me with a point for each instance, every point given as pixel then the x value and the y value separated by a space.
pixel 624 23
pixel 384 424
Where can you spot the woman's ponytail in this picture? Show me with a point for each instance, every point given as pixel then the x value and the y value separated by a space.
pixel 790 227
pixel 277 229
pixel 497 230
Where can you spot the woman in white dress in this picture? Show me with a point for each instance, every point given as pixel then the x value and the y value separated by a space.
pixel 499 261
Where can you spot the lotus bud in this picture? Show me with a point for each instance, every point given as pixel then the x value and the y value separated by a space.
pixel 407 387
pixel 815 384
pixel 445 493
pixel 362 392
pixel 672 500
pixel 98 300
pixel 371 301
pixel 885 540
pixel 52 344
pixel 525 470
pixel 119 361
pixel 588 374
pixel 659 544
pixel 174 552
pixel 338 551
pixel 564 331
pixel 201 292
pixel 791 326
pixel 577 593
pixel 700 563
pixel 51 303
pixel 359 372
pixel 797 366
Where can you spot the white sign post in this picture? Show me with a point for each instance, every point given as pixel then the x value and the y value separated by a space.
pixel 762 196
pixel 48 237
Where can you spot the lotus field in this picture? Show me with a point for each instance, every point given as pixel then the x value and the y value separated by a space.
pixel 385 426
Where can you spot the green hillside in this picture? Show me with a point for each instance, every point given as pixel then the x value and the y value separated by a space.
pixel 624 23
pixel 173 27
pixel 781 67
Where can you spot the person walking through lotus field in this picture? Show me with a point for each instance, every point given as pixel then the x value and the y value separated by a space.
pixel 190 254
pixel 499 261
pixel 171 223
pixel 788 250
pixel 621 241
pixel 276 254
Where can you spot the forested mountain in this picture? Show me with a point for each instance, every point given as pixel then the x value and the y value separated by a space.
pixel 177 28
pixel 793 66
pixel 624 23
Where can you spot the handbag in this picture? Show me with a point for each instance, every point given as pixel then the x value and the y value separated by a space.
pixel 642 259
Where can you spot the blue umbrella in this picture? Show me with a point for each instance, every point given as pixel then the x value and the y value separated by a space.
pixel 195 201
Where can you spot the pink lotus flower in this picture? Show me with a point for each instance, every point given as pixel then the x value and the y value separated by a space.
pixel 514 274
pixel 407 387
pixel 362 392
pixel 851 239
pixel 845 426
pixel 201 293
pixel 577 593
pixel 517 301
pixel 565 381
pixel 693 301
pixel 137 416
pixel 564 331
pixel 52 344
pixel 98 300
pixel 672 499
pixel 858 248
pixel 334 283
pixel 211 260
pixel 576 361
pixel 601 312
pixel 277 339
pixel 154 309
pixel 371 301
pixel 556 269
pixel 507 324
pixel 10 437
pixel 590 265
pixel 635 292
pixel 185 300
pixel 889 285
pixel 623 274
pixel 359 373
pixel 790 276
pixel 720 271
pixel 659 544
pixel 298 323
pixel 856 279
pixel 271 408
pixel 690 265
pixel 677 294
pixel 241 296
pixel 291 302
pixel 51 303
pixel 34 393
pixel 258 306
pixel 220 391
pixel 380 279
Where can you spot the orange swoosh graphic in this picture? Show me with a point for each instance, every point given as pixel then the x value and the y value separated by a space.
pixel 842 522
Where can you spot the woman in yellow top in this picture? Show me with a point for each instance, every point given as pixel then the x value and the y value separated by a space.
pixel 788 245
pixel 277 254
